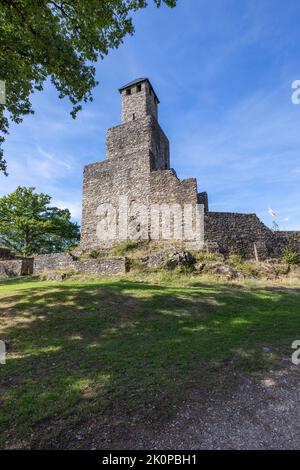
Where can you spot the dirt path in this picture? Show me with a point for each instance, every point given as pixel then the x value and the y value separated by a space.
pixel 261 413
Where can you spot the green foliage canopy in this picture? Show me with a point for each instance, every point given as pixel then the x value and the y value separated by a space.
pixel 29 225
pixel 60 40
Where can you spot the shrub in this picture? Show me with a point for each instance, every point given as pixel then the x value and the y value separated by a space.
pixel 134 264
pixel 245 267
pixel 281 270
pixel 94 254
pixel 250 269
pixel 290 256
pixel 235 261
pixel 124 247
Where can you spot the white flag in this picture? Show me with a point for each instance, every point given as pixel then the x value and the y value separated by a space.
pixel 272 213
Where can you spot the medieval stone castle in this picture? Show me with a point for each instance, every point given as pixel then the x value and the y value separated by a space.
pixel 137 174
pixel 137 166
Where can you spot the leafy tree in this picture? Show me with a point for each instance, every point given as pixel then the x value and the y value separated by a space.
pixel 29 225
pixel 60 40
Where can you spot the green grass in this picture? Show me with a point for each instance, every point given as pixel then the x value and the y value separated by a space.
pixel 79 349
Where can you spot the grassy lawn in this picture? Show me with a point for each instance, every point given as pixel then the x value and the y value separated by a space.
pixel 97 349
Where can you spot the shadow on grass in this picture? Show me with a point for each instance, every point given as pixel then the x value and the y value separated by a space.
pixel 119 347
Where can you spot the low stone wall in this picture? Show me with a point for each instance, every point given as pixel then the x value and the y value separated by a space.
pixel 53 261
pixel 65 261
pixel 290 239
pixel 237 233
pixel 16 267
pixel 103 266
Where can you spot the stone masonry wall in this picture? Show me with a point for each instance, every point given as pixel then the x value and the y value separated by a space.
pixel 16 267
pixel 104 183
pixel 65 261
pixel 165 187
pixel 136 167
pixel 53 261
pixel 289 239
pixel 140 135
pixel 102 266
pixel 202 198
pixel 159 148
pixel 237 233
pixel 138 104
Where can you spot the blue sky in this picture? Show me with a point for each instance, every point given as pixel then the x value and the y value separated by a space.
pixel 223 71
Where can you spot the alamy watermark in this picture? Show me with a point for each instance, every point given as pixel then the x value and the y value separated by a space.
pixel 2 92
pixel 296 94
pixel 296 354
pixel 2 352
pixel 137 221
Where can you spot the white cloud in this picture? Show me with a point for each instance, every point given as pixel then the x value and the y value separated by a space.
pixel 52 157
pixel 74 206
pixel 247 156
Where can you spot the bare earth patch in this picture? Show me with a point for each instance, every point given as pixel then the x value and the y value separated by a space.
pixel 261 413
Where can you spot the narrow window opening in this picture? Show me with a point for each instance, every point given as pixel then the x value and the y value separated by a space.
pixel 133 117
pixel 139 88
pixel 128 92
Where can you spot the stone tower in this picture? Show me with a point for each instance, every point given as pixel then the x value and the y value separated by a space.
pixel 139 131
pixel 136 168
pixel 138 100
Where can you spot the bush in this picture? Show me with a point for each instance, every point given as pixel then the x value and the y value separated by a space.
pixel 281 270
pixel 124 247
pixel 243 266
pixel 186 270
pixel 235 261
pixel 133 264
pixel 290 256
